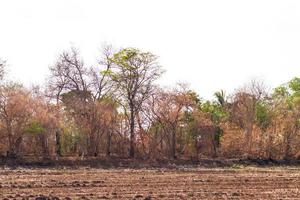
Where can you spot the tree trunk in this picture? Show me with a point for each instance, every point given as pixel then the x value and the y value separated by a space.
pixel 131 151
pixel 287 149
pixel 92 147
pixel 249 131
pixel 14 148
pixel 108 147
pixel 58 144
pixel 44 141
pixel 173 151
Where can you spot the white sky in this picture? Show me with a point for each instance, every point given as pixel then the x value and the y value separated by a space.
pixel 210 44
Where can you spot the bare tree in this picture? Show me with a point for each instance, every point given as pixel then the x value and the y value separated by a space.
pixel 68 74
pixel 84 92
pixel 101 86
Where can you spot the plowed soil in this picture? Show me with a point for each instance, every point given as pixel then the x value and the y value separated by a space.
pixel 183 183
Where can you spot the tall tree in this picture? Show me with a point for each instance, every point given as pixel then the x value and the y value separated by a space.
pixel 81 91
pixel 133 73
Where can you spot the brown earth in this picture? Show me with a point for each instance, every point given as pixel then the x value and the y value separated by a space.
pixel 180 183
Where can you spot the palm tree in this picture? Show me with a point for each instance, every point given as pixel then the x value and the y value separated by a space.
pixel 221 97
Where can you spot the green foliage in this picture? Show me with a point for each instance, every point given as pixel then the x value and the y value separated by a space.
pixel 218 136
pixel 110 73
pixel 129 58
pixel 280 91
pixel 194 97
pixel 262 114
pixel 217 111
pixel 134 70
pixel 189 122
pixel 294 84
pixel 106 72
pixel 70 138
pixel 216 108
pixel 34 128
pixel 289 93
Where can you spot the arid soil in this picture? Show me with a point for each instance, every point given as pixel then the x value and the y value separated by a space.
pixel 182 183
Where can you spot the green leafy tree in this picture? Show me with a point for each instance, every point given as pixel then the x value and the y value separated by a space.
pixel 218 114
pixel 133 73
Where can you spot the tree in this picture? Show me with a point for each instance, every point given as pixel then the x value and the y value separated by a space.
pixel 94 118
pixel 169 108
pixel 286 115
pixel 133 74
pixel 82 91
pixel 68 74
pixel 15 113
pixel 243 109
pixel 218 114
pixel 43 123
pixel 221 97
pixel 101 86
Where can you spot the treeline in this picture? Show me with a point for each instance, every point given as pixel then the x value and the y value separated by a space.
pixel 116 109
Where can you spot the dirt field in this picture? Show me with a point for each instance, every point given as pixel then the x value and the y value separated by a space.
pixel 185 183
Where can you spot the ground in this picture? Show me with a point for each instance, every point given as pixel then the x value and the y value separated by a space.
pixel 235 182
